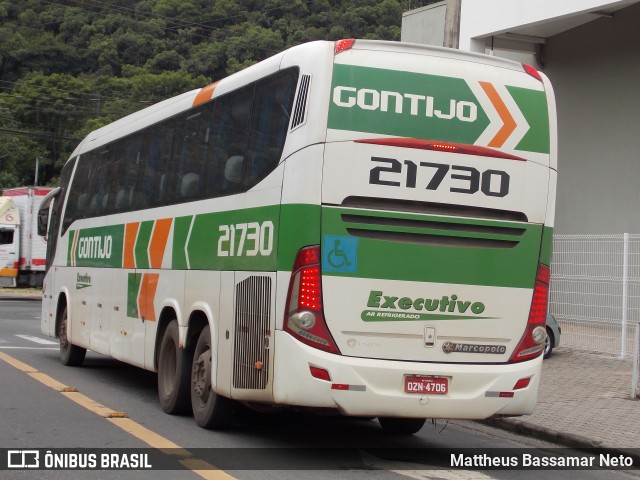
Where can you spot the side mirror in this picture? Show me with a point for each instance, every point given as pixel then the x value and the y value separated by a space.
pixel 43 212
pixel 43 221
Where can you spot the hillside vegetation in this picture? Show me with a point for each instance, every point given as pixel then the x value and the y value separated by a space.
pixel 70 66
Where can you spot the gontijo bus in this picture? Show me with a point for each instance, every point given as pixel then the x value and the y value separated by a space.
pixel 362 226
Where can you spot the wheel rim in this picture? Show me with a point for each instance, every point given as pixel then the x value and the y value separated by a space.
pixel 62 334
pixel 202 376
pixel 169 362
pixel 547 343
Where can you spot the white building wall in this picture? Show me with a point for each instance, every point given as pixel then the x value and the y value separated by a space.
pixel 480 19
pixel 595 71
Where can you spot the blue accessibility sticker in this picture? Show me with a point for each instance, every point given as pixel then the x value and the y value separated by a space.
pixel 339 254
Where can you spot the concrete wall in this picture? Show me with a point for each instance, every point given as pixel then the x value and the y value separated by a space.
pixel 480 19
pixel 424 25
pixel 595 70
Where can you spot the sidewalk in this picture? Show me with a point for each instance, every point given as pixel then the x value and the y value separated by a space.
pixel 584 401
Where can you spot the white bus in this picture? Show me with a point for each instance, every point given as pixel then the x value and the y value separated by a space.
pixel 361 226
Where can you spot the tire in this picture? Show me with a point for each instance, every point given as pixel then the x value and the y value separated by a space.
pixel 401 426
pixel 174 366
pixel 210 410
pixel 70 355
pixel 548 343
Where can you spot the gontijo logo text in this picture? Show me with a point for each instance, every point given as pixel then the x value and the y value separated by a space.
pixel 392 307
pixel 414 104
pixel 95 247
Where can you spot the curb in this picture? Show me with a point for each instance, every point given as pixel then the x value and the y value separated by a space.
pixel 565 439
pixel 544 433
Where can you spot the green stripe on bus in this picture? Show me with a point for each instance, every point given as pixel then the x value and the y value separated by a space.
pixel 180 233
pixel 142 244
pixel 389 251
pixel 133 287
pixel 547 246
pixel 244 239
pixel 72 235
pixel 533 105
pixel 299 227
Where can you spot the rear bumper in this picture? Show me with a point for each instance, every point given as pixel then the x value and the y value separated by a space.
pixel 376 387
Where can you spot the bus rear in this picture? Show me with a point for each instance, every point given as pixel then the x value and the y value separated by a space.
pixel 426 294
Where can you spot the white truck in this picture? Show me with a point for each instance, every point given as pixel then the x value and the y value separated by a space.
pixel 22 251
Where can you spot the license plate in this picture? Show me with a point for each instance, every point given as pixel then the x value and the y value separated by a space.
pixel 426 385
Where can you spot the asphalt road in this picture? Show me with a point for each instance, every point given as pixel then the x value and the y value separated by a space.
pixel 287 445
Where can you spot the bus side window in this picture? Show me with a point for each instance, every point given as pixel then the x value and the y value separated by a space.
pixel 155 178
pixel 193 139
pixel 272 104
pixel 77 203
pixel 229 139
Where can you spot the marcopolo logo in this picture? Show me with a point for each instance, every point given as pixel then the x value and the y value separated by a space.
pixel 398 102
pixel 450 347
pixel 448 307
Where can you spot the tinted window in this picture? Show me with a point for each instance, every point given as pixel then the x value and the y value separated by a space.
pixel 6 237
pixel 222 147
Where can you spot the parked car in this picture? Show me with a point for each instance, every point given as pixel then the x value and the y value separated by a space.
pixel 553 335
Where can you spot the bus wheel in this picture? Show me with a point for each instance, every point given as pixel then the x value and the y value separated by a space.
pixel 401 426
pixel 70 355
pixel 174 364
pixel 210 410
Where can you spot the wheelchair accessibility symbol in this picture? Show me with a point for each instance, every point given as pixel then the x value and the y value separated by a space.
pixel 339 254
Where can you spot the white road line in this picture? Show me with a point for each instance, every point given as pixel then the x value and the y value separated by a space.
pixel 420 472
pixel 42 341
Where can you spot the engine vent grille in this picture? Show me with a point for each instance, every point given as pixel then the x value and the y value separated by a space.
pixel 437 232
pixel 252 333
pixel 300 110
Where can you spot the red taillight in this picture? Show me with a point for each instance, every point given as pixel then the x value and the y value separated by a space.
pixel 532 71
pixel 439 146
pixel 345 44
pixel 532 342
pixel 304 317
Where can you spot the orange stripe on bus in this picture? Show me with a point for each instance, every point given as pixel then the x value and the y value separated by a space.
pixel 204 95
pixel 130 234
pixel 147 296
pixel 159 241
pixel 509 124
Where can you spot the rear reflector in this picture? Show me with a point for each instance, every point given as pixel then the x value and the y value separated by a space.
pixel 439 146
pixel 522 383
pixel 351 388
pixel 320 373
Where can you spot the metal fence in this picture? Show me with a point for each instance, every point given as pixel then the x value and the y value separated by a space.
pixel 595 293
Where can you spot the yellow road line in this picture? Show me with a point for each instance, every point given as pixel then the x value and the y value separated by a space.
pixel 14 362
pixel 197 466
